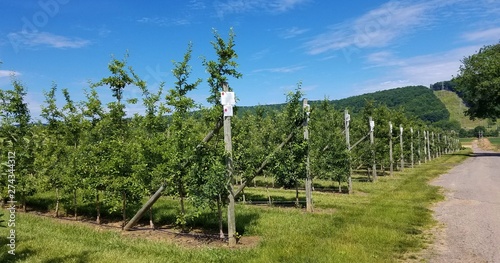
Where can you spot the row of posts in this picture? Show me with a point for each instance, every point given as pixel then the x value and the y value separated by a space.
pixel 445 144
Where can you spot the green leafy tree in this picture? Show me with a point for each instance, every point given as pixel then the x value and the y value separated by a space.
pixel 17 131
pixel 219 70
pixel 117 150
pixel 89 154
pixel 329 155
pixel 478 81
pixel 181 141
pixel 290 163
pixel 51 155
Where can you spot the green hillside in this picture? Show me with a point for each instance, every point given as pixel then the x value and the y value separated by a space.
pixel 417 101
pixel 456 107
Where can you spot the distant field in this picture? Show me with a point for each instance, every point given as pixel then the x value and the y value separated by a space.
pixel 495 142
pixel 466 140
pixel 456 108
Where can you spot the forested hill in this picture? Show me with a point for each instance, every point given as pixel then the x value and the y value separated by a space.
pixel 418 101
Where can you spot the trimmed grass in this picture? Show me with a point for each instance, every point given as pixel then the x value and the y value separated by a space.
pixel 456 107
pixel 380 222
pixel 495 142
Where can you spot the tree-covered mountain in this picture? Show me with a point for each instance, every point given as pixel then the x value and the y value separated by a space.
pixel 417 101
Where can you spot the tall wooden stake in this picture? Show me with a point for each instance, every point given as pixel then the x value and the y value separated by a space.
pixel 372 143
pixel 401 144
pixel 391 159
pixel 428 147
pixel 419 146
pixel 309 203
pixel 228 146
pixel 347 119
pixel 411 146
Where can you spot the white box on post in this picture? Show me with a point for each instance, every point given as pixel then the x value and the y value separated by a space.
pixel 227 98
pixel 228 110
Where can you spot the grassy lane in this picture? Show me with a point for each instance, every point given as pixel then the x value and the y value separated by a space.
pixel 380 222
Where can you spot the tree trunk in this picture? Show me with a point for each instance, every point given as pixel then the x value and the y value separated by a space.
pixel 124 209
pixel 57 201
pixel 340 185
pixel 98 207
pixel 269 199
pixel 151 223
pixel 219 214
pixel 23 198
pixel 75 203
pixel 297 194
pixel 183 210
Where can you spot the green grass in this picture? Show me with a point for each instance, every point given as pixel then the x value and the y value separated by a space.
pixel 467 140
pixel 456 108
pixel 380 222
pixel 495 141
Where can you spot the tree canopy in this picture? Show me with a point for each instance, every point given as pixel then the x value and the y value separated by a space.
pixel 479 82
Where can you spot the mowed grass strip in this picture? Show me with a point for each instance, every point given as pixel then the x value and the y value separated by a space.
pixel 495 142
pixel 380 222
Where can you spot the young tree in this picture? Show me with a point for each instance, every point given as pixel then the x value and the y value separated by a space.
pixel 290 163
pixel 329 155
pixel 220 70
pixel 180 142
pixel 118 151
pixel 17 130
pixel 51 156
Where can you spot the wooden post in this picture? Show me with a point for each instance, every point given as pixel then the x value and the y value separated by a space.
pixel 144 209
pixel 309 204
pixel 425 146
pixel 419 146
pixel 372 143
pixel 434 146
pixel 411 146
pixel 428 146
pixel 401 144
pixel 347 118
pixel 228 147
pixel 391 159
pixel 439 145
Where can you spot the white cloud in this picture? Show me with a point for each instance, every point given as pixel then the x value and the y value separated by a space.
pixel 31 40
pixel 197 5
pixel 165 21
pixel 376 28
pixel 293 32
pixel 8 73
pixel 229 7
pixel 418 70
pixel 260 54
pixel 289 69
pixel 488 35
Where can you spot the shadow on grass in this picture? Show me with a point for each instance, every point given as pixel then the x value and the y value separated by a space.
pixel 20 255
pixel 276 201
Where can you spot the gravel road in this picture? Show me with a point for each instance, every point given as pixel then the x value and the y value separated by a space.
pixel 469 217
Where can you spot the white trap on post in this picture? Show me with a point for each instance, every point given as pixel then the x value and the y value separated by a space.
pixel 227 100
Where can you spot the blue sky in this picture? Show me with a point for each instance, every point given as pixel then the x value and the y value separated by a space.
pixel 336 49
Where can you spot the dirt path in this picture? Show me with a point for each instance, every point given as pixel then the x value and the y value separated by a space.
pixel 469 218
